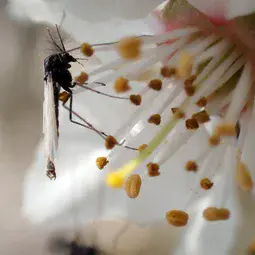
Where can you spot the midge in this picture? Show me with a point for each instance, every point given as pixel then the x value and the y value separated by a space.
pixel 57 76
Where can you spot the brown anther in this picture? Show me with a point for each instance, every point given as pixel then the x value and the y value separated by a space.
pixel 190 90
pixel 142 147
pixel 191 124
pixel 110 142
pixel 185 65
pixel 216 214
pixel 243 177
pixel 121 85
pixel 205 183
pixel 155 119
pixel 87 49
pixel 133 186
pixel 177 218
pixel 214 140
pixel 188 82
pixel 178 113
pixel 64 96
pixel 129 47
pixel 135 99
pixel 168 72
pixel 101 162
pixel 225 129
pixel 201 117
pixel 153 169
pixel 82 78
pixel 202 102
pixel 191 166
pixel 155 84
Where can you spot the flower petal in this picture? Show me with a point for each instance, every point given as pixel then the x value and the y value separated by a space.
pixel 224 8
pixel 237 8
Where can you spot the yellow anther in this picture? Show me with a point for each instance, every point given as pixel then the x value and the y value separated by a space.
pixel 115 180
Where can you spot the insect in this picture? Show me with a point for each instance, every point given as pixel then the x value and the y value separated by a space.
pixel 56 76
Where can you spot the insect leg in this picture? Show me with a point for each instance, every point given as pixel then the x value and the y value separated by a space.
pixel 71 113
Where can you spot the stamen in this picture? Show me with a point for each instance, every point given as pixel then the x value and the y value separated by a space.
pixel 202 102
pixel 133 186
pixel 177 33
pixel 110 142
pixel 168 72
pixel 169 150
pixel 178 113
pixel 121 85
pixel 225 129
pixel 155 119
pixel 177 218
pixel 214 140
pixel 142 147
pixel 115 180
pixel 212 51
pixel 201 117
pixel 213 162
pixel 153 169
pixel 135 99
pixel 190 90
pixel 189 81
pixel 87 49
pixel 206 184
pixel 216 214
pixel 210 67
pixel 102 93
pixel 155 84
pixel 185 65
pixel 82 78
pixel 129 48
pixel 101 162
pixel 240 95
pixel 191 166
pixel 212 82
pixel 191 124
pixel 243 177
pixel 64 96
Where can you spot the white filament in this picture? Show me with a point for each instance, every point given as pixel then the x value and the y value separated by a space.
pixel 240 95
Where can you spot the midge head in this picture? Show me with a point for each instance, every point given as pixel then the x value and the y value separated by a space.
pixel 60 58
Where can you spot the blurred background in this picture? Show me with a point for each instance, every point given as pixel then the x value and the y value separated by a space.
pixel 21 100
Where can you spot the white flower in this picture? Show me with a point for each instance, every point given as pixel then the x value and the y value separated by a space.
pixel 228 8
pixel 223 76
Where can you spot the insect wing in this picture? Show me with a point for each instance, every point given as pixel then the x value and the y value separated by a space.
pixel 50 127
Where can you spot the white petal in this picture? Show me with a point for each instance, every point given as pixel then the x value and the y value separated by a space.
pixel 80 21
pixel 239 8
pixel 224 8
pixel 212 8
pixel 97 10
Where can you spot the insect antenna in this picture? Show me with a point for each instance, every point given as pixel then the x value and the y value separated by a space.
pixel 62 19
pixel 53 41
pixel 60 38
